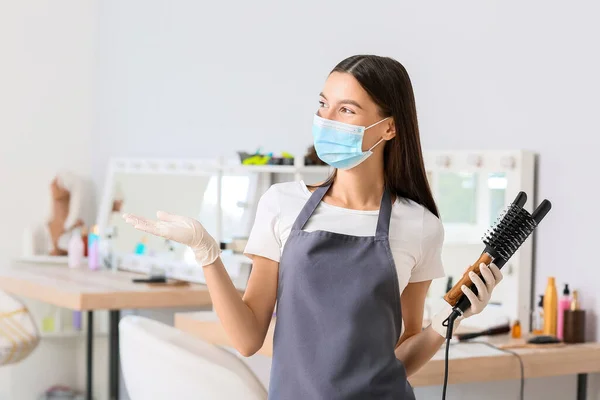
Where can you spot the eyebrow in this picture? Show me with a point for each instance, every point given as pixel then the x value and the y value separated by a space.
pixel 345 101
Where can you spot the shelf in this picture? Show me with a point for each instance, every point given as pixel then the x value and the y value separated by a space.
pixel 70 334
pixel 62 335
pixel 315 169
pixel 43 259
pixel 288 169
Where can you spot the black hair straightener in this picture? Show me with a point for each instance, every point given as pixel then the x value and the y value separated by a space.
pixel 511 230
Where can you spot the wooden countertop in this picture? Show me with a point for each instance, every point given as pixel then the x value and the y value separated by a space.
pixel 469 361
pixel 84 289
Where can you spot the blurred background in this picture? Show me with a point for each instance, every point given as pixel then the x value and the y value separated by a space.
pixel 83 82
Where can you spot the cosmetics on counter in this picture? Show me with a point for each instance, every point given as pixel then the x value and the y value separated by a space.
pixel 93 253
pixel 561 318
pixel 563 305
pixel 550 307
pixel 574 322
pixel 516 330
pixel 140 247
pixel 538 317
pixel 75 250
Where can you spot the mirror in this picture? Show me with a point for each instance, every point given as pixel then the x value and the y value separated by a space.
pixel 472 189
pixel 144 194
pixel 221 201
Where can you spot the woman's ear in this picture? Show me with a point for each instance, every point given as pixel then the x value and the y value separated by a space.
pixel 390 129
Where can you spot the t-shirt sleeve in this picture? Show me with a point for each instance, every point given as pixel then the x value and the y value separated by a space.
pixel 429 264
pixel 264 239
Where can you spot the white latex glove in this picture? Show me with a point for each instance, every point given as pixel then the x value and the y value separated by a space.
pixel 180 229
pixel 491 277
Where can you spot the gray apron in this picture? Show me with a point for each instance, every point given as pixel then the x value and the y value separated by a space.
pixel 338 315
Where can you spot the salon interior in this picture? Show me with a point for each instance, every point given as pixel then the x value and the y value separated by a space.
pixel 114 107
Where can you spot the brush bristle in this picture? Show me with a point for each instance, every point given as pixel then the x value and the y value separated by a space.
pixel 511 229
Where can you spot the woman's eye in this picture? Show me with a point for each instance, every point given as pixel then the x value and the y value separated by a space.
pixel 347 110
pixel 321 103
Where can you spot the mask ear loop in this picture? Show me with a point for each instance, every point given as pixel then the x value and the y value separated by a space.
pixel 372 147
pixel 376 123
pixel 370 126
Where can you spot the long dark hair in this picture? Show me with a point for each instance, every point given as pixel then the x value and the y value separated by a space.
pixel 388 84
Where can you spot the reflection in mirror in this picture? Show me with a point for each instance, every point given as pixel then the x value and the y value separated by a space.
pixel 223 203
pixel 469 203
pixel 146 193
pixel 457 197
pixel 497 189
pixel 472 189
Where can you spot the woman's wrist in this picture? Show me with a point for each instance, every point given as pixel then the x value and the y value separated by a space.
pixel 216 264
pixel 439 321
pixel 207 255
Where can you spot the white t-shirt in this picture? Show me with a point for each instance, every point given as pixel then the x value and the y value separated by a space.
pixel 416 235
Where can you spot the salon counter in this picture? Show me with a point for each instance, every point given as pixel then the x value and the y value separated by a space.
pixel 81 289
pixel 469 361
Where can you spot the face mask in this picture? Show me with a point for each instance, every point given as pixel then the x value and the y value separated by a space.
pixel 339 144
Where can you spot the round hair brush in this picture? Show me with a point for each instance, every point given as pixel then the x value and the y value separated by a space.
pixel 512 228
pixel 501 241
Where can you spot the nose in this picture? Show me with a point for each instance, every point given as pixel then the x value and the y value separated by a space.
pixel 326 113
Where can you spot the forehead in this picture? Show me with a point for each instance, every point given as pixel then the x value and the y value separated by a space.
pixel 343 86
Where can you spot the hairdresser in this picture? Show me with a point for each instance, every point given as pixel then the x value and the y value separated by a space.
pixel 349 261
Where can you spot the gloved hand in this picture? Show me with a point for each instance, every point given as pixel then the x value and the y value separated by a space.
pixel 492 276
pixel 180 229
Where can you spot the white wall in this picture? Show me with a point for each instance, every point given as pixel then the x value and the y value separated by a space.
pixel 189 78
pixel 45 125
pixel 192 78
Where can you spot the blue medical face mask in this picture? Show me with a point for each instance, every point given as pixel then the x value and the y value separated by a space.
pixel 339 144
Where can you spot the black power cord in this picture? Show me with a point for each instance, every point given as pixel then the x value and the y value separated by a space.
pixel 514 353
pixel 449 323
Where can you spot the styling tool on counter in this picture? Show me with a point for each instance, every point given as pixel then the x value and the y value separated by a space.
pixel 543 339
pixel 503 239
pixel 497 330
pixel 151 279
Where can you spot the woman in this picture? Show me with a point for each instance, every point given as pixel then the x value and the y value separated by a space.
pixel 348 261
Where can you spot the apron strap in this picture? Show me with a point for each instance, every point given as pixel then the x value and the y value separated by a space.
pixel 310 207
pixel 385 213
pixel 383 221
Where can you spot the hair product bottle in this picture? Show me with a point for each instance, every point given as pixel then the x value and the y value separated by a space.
pixel 550 307
pixel 75 250
pixel 93 256
pixel 563 305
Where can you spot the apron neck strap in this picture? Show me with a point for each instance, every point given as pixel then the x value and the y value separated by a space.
pixel 383 221
pixel 310 207
pixel 385 214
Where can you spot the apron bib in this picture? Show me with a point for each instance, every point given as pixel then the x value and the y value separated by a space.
pixel 338 315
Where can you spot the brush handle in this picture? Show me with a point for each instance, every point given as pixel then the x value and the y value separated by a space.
pixel 456 293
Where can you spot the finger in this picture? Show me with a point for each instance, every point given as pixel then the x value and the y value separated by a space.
pixel 490 281
pixel 497 273
pixel 165 216
pixel 480 285
pixel 470 295
pixel 144 224
pixel 134 219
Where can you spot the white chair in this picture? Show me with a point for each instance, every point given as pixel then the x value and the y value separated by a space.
pixel 163 363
